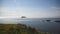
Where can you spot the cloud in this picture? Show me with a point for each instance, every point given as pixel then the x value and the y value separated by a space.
pixel 8 11
pixel 15 12
pixel 55 7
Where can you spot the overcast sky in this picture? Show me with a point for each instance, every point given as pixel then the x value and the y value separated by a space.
pixel 29 8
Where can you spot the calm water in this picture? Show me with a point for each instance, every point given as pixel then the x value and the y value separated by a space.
pixel 38 23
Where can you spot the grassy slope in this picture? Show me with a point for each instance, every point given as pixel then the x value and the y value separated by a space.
pixel 18 29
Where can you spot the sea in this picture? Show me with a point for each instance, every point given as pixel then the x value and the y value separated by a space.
pixel 40 24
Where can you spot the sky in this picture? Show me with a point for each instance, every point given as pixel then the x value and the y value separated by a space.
pixel 29 8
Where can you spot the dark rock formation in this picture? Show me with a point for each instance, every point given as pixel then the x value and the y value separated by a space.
pixel 23 16
pixel 57 21
pixel 48 20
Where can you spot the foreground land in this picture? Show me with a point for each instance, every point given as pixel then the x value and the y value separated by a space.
pixel 18 29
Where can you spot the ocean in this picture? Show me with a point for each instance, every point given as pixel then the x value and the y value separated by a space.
pixel 40 24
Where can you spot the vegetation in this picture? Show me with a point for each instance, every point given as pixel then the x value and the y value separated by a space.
pixel 18 29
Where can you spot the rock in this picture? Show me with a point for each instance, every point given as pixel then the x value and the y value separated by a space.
pixel 23 16
pixel 48 20
pixel 57 21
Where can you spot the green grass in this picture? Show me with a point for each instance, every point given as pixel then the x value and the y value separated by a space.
pixel 18 29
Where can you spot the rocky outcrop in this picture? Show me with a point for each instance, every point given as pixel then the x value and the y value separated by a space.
pixel 23 16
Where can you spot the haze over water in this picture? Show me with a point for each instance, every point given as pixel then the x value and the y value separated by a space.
pixel 38 23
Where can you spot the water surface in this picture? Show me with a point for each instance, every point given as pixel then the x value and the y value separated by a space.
pixel 38 23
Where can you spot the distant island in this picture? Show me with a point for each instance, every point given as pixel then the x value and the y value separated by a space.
pixel 58 21
pixel 23 16
pixel 48 20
